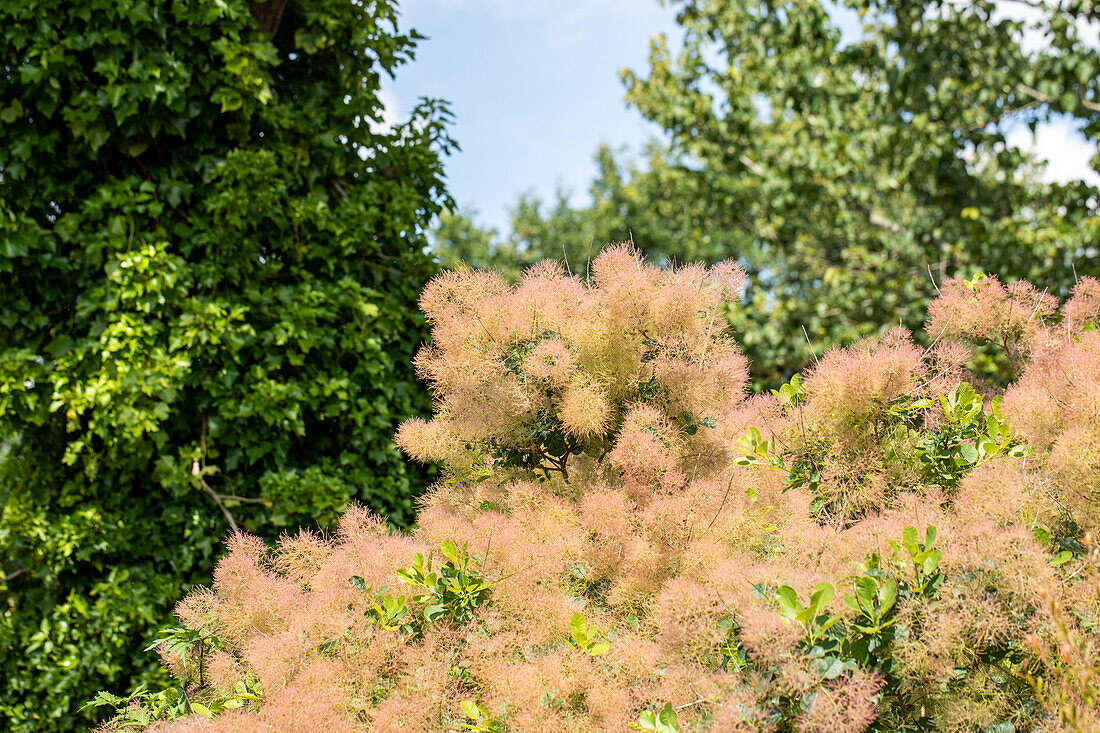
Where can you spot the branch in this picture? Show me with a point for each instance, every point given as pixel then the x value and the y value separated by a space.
pixel 218 500
pixel 12 576
pixel 242 499
pixel 1036 94
pixel 197 472
pixel 882 222
pixel 268 14
pixel 752 165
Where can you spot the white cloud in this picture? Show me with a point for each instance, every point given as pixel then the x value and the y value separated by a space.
pixel 1062 148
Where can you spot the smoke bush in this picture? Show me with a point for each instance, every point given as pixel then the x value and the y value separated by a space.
pixel 622 539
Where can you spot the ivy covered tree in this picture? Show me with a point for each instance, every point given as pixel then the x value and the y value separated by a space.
pixel 847 174
pixel 210 253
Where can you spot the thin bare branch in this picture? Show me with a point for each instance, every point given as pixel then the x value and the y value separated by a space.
pixel 218 500
pixel 1036 94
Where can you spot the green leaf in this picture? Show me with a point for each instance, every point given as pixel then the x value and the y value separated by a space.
pixel 668 721
pixel 866 589
pixel 449 550
pixel 834 669
pixel 932 562
pixel 1041 535
pixel 888 593
pixel 828 624
pixel 1061 558
pixel 821 596
pixel 788 600
pixel 200 709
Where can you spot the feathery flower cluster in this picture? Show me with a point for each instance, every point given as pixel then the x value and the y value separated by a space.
pixel 557 373
pixel 1056 405
pixel 982 310
pixel 866 548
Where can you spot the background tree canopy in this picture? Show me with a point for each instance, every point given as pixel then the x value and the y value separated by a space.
pixel 210 255
pixel 845 176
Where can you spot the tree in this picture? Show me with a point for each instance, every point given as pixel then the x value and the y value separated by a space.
pixel 210 251
pixel 850 177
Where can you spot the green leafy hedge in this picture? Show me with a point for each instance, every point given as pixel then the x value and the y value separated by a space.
pixel 210 253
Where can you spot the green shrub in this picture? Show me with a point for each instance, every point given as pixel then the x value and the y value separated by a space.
pixel 210 254
pixel 648 576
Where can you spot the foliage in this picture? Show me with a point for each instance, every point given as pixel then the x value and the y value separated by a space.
pixel 848 174
pixel 969 436
pixel 480 720
pixel 664 721
pixel 210 252
pixel 142 708
pixel 455 592
pixel 585 637
pixel 384 610
pixel 700 592
pixel 906 443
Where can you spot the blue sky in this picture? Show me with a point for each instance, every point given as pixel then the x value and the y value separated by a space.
pixel 534 85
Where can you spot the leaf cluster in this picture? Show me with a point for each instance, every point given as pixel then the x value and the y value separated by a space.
pixel 455 590
pixel 210 252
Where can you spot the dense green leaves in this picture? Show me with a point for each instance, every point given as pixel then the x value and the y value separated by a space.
pixel 210 253
pixel 454 590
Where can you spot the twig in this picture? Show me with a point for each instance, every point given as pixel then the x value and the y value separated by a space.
pixel 588 264
pixel 13 576
pixel 217 500
pixel 940 335
pixel 937 287
pixel 1070 576
pixel 1036 94
pixel 242 499
pixel 700 698
pixel 488 547
pixel 811 346
pixel 935 377
pixel 1038 302
pixel 1008 354
pixel 720 508
pixel 694 702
